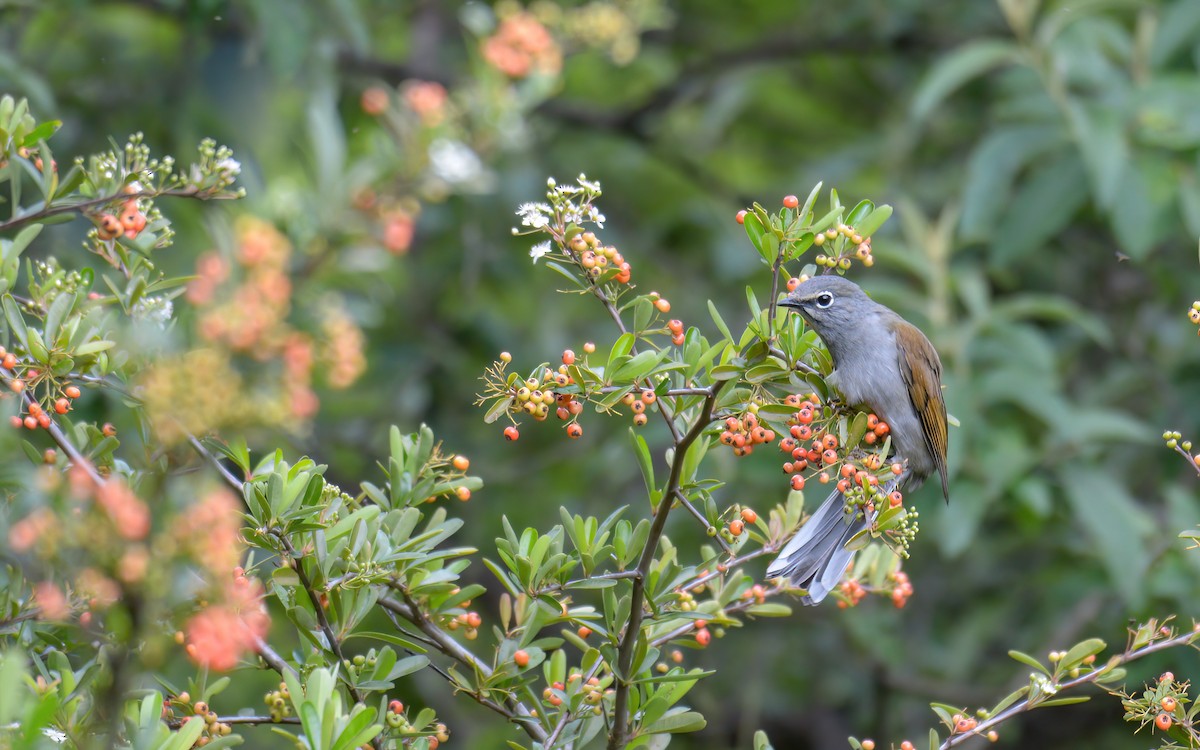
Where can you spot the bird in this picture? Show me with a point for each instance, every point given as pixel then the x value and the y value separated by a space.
pixel 883 363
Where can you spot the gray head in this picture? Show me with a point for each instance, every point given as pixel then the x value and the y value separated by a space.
pixel 831 304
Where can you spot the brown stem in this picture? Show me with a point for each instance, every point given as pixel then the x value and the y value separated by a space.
pixel 67 208
pixel 512 709
pixel 619 736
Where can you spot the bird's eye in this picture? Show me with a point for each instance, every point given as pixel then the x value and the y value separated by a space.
pixel 824 300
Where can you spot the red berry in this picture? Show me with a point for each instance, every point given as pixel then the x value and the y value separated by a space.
pixel 790 201
pixel 396 707
pixel 584 631
pixel 574 430
pixel 703 637
pixel 1163 721
pixel 749 516
pixel 792 283
pixel 511 433
pixel 1166 677
pixel 736 527
pixel 463 494
pixel 662 305
pixel 797 482
pixel 521 658
pixel 1168 702
pixel 568 357
pixel 62 406
pixel 71 391
pixel 741 217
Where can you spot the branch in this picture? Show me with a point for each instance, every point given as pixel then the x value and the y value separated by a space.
pixel 322 621
pixel 66 208
pixel 1027 705
pixel 272 658
pixel 618 738
pixel 513 710
pixel 226 474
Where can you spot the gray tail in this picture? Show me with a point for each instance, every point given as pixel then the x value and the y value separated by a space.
pixel 815 559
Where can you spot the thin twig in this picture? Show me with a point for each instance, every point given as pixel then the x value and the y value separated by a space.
pixel 513 710
pixel 272 658
pixel 67 208
pixel 226 474
pixel 335 645
pixel 1022 706
pixel 57 435
pixel 703 520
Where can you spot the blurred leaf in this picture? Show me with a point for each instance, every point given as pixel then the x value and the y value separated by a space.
pixel 1114 525
pixel 1045 203
pixel 971 60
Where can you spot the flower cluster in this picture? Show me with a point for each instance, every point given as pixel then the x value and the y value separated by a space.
pixel 521 46
pixel 218 635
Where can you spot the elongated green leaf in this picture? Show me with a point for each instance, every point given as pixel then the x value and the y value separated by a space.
pixel 1029 661
pixel 969 61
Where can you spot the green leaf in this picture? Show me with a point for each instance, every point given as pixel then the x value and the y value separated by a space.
pixel 16 322
pixel 719 321
pixel 641 452
pixel 993 168
pixel 1065 701
pixel 952 71
pixel 1044 205
pixel 678 723
pixel 1029 661
pixel 41 132
pixel 1080 651
pixel 1114 523
pixel 874 220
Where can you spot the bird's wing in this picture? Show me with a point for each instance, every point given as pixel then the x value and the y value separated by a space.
pixel 922 373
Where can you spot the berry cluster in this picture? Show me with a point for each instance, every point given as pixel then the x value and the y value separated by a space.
pixel 639 402
pixel 199 711
pixel 745 432
pixel 397 719
pixel 594 258
pixel 591 692
pixel 469 621
pixel 1194 314
pixel 1164 703
pixel 25 378
pixel 278 702
pixel 843 244
pixel 129 221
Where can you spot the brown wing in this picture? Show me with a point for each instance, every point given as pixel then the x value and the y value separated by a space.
pixel 922 373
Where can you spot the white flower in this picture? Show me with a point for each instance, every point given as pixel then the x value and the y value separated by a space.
pixel 157 310
pixel 55 735
pixel 586 184
pixel 536 215
pixel 539 250
pixel 596 216
pixel 229 167
pixel 454 162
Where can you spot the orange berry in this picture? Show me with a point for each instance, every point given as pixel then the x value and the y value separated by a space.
pixel 906 745
pixel 589 348
pixel 71 391
pixel 993 736
pixel 843 485
pixel 749 516
pixel 868 744
pixel 1163 721
pixel 1166 677
pixel 35 409
pixel 675 325
pixel 511 433
pixel 792 283
pixel 895 499
pixel 640 419
pixel 678 339
pixel 584 631
pixel 897 468
pixel 662 305
pixel 574 430
pixel 521 658
pixel 474 620
pixel 649 397
pixel 829 456
pixel 462 463
pixel 882 429
pixel 1168 702
pixel 962 725
pixel 790 201
pixel 62 406
pixel 396 707
pixel 736 527
pixel 44 420
pixel 109 227
pixel 797 482
pixel 10 361
pixel 108 430
pixel 17 385
pixel 829 441
pixel 741 217
pixel 568 357
pixel 463 494
pixel 30 423
pixel 703 637
pixel 15 421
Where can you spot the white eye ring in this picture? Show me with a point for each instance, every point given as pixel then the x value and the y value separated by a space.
pixel 824 300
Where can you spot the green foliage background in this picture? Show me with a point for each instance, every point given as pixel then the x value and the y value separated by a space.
pixel 1043 159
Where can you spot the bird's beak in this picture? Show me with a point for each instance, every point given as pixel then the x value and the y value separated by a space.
pixel 790 303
